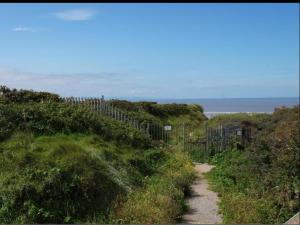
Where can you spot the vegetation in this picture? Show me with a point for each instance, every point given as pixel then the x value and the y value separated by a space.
pixel 174 114
pixel 68 178
pixel 62 163
pixel 261 184
pixel 161 199
pixel 20 96
pixel 65 164
pixel 239 119
pixel 46 118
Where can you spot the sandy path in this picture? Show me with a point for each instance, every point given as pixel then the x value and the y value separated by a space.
pixel 202 202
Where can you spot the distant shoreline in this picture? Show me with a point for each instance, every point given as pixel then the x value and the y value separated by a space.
pixel 213 107
pixel 217 106
pixel 196 99
pixel 213 114
pixel 235 112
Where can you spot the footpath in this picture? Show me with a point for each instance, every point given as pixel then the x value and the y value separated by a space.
pixel 203 203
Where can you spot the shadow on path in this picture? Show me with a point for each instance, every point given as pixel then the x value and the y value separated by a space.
pixel 202 203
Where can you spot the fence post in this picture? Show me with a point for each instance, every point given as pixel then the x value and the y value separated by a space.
pixel 220 134
pixel 206 135
pixel 94 105
pixel 183 133
pixel 100 106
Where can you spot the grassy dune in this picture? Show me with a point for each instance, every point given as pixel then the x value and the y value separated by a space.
pixel 65 164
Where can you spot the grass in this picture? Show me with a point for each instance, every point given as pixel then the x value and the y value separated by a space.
pixel 161 199
pixel 238 119
pixel 198 153
pixel 66 164
pixel 260 184
pixel 236 205
pixel 50 118
pixel 79 178
pixel 242 198
pixel 68 178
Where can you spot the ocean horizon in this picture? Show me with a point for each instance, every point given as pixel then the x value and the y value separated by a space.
pixel 231 105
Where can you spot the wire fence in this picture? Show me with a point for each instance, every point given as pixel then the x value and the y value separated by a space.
pixel 156 131
pixel 215 140
pixel 211 141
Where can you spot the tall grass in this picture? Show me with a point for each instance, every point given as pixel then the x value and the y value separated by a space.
pixel 161 199
pixel 68 178
pixel 65 164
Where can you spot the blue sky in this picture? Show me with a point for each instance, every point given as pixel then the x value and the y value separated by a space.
pixel 151 50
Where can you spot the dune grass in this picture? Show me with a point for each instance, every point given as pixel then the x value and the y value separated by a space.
pixel 67 178
pixel 65 164
pixel 161 199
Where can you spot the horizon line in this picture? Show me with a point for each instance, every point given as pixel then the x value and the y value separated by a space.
pixel 194 98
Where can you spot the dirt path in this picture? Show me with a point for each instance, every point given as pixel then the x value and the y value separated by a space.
pixel 202 202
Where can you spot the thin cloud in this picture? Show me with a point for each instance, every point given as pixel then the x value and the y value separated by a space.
pixel 23 29
pixel 77 84
pixel 75 14
pixel 87 84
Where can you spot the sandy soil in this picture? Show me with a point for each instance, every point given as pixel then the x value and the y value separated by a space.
pixel 202 203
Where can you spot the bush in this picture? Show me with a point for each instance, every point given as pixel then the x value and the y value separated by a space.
pixel 237 188
pixel 240 119
pixel 25 96
pixel 54 180
pixel 62 163
pixel 53 117
pixel 68 178
pixel 151 111
pixel 241 208
pixel 124 105
pixel 261 183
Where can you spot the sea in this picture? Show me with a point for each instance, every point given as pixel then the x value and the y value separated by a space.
pixel 213 107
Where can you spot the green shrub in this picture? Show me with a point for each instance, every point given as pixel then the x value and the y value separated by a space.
pixel 153 112
pixel 68 178
pixel 261 183
pixel 52 117
pixel 239 119
pixel 239 208
pixel 62 163
pixel 124 105
pixel 54 181
pixel 24 96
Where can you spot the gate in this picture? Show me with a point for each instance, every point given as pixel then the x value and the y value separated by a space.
pixel 212 140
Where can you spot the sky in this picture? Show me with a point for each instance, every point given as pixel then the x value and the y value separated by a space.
pixel 151 50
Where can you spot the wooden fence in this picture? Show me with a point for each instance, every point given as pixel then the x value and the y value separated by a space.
pixel 98 105
pixel 213 140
